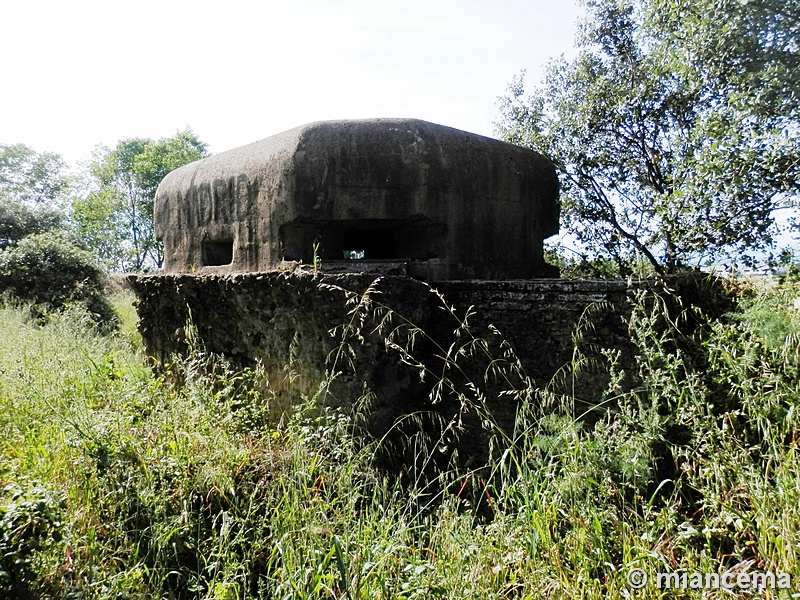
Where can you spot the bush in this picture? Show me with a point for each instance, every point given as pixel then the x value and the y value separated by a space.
pixel 51 271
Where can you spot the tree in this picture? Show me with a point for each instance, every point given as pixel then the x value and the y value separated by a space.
pixel 40 261
pixel 653 162
pixel 116 218
pixel 28 177
pixel 98 219
pixel 18 220
pixel 115 170
pixel 745 51
pixel 32 189
pixel 745 56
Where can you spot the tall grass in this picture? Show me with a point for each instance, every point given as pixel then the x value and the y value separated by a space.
pixel 121 483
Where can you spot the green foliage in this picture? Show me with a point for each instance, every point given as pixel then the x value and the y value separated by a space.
pixel 40 262
pixel 18 220
pixel 116 218
pixel 773 317
pixel 745 57
pixel 157 159
pixel 191 490
pixel 51 271
pixel 98 221
pixel 30 523
pixel 32 189
pixel 655 160
pixel 28 177
pixel 581 267
pixel 746 53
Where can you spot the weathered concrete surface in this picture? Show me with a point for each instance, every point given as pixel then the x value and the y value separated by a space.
pixel 282 318
pixel 442 203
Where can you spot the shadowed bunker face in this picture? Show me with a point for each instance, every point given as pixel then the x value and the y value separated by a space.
pixel 365 239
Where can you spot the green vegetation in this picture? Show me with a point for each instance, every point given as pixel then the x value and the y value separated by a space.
pixel 18 220
pixel 52 271
pixel 56 240
pixel 675 129
pixel 41 262
pixel 31 178
pixel 115 216
pixel 108 207
pixel 119 483
pixel 32 191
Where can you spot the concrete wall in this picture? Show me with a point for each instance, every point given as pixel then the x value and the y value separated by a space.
pixel 447 203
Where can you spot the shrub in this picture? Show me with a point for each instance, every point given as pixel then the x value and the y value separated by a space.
pixel 51 271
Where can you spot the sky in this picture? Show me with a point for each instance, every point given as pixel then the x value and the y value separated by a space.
pixel 80 73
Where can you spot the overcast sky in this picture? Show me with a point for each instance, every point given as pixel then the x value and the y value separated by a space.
pixel 80 73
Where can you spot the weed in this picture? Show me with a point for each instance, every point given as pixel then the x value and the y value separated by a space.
pixel 119 483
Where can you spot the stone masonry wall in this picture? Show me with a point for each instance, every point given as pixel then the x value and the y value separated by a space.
pixel 313 322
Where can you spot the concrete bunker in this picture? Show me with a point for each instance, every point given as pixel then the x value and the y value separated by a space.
pixel 444 203
pixel 467 212
pixel 398 196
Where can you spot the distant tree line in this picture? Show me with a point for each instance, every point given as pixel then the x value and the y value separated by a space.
pixel 114 216
pixel 60 231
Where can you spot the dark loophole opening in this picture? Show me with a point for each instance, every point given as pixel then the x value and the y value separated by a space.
pixel 217 253
pixel 365 243
pixel 363 239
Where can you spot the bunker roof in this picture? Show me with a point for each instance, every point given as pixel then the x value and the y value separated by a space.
pixel 436 202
